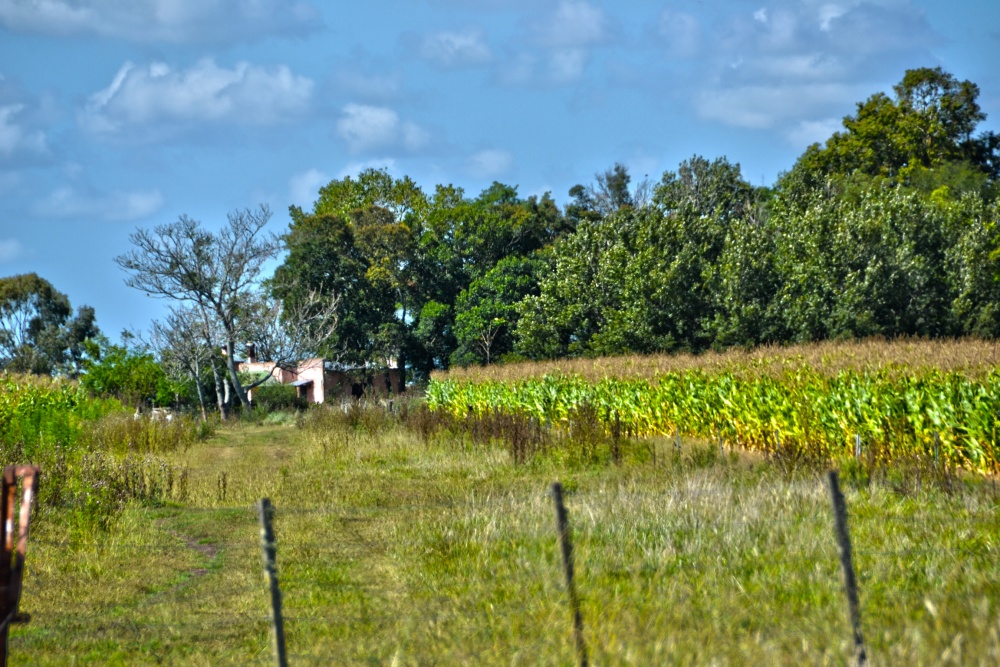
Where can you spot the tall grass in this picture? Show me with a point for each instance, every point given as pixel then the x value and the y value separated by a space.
pixel 94 455
pixel 414 537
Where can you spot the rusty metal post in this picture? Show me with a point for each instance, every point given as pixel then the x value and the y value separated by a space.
pixel 12 554
pixel 562 521
pixel 7 495
pixel 850 583
pixel 269 550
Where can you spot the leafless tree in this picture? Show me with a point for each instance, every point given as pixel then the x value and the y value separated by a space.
pixel 218 277
pixel 214 273
pixel 286 334
pixel 180 345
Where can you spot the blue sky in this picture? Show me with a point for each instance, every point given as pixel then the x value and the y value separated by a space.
pixel 116 115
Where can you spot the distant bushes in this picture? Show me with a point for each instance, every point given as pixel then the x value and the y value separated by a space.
pixel 38 413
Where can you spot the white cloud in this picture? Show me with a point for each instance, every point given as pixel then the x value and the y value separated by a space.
pixel 365 127
pixel 15 139
pixel 809 132
pixel 574 24
pixel 158 94
pixel 828 14
pixel 450 49
pixel 490 163
pixel 303 188
pixel 681 32
pixel 205 21
pixel 414 136
pixel 354 168
pixel 10 249
pixel 557 45
pixel 567 65
pixel 791 66
pixel 765 107
pixel 69 202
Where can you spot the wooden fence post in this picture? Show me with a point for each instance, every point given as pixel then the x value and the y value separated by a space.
pixel 12 553
pixel 562 521
pixel 269 549
pixel 850 584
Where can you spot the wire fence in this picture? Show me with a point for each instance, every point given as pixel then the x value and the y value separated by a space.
pixel 345 608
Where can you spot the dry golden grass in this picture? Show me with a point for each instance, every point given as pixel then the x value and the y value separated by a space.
pixel 969 356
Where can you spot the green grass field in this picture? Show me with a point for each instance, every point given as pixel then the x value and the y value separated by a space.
pixel 406 550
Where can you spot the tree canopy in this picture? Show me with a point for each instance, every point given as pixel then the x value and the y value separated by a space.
pixel 889 228
pixel 38 332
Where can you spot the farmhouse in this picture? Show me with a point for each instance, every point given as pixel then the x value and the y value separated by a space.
pixel 318 380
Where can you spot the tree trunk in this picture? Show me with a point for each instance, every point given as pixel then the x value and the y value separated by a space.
pixel 201 389
pixel 227 393
pixel 219 389
pixel 234 375
pixel 213 351
pixel 401 363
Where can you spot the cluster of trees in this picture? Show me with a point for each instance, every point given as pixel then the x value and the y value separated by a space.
pixel 887 229
pixel 422 281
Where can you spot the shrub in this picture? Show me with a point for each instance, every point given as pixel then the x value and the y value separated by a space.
pixel 272 397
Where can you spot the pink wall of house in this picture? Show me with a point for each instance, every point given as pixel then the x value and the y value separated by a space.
pixel 323 384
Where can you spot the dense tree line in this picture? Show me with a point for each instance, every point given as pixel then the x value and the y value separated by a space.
pixel 887 229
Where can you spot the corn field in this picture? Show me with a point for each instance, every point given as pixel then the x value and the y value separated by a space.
pixel 920 412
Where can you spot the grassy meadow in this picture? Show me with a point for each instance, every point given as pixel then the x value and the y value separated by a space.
pixel 420 538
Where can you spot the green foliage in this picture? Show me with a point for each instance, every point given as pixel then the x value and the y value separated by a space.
pixel 486 313
pixel 927 125
pixel 434 334
pixel 39 414
pixel 372 188
pixel 888 229
pixel 641 280
pixel 132 376
pixel 37 334
pixel 94 455
pixel 807 412
pixel 398 261
pixel 324 258
pixel 868 262
pixel 274 396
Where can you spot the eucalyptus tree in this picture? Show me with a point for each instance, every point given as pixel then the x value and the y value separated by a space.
pixel 38 332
